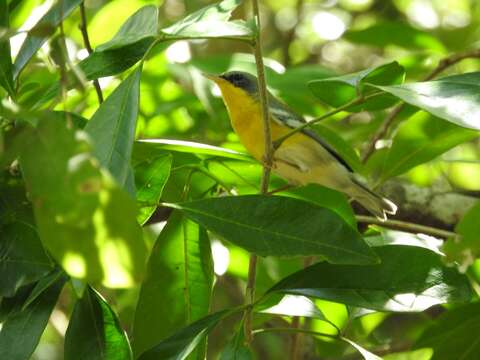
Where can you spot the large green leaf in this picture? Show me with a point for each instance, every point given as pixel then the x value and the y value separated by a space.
pixel 183 342
pixel 178 285
pixel 420 139
pixel 33 42
pixel 409 278
pixel 151 176
pixel 6 77
pixel 112 127
pixel 210 22
pixel 280 226
pixel 454 98
pixel 94 332
pixel 340 90
pixel 143 24
pixel 21 332
pixel 454 334
pixel 84 219
pixel 382 34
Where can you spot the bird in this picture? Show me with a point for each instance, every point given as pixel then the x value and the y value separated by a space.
pixel 302 158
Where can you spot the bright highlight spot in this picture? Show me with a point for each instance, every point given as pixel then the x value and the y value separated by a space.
pixel 178 52
pixel 82 54
pixel 221 257
pixel 423 14
pixel 75 265
pixel 328 26
pixel 295 305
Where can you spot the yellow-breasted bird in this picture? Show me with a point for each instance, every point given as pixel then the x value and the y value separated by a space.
pixel 302 158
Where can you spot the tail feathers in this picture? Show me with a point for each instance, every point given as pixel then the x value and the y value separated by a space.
pixel 374 203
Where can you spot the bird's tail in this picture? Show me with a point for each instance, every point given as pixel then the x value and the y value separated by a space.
pixel 374 203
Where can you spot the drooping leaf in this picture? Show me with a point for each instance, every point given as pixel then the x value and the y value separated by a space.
pixel 420 139
pixel 280 226
pixel 408 278
pixel 183 342
pixel 178 285
pixel 454 334
pixel 143 24
pixel 94 331
pixel 33 42
pixel 6 77
pixel 453 98
pixel 112 127
pixel 150 179
pixel 340 90
pixel 21 332
pixel 84 219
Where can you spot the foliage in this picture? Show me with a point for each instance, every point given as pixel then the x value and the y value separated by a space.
pixel 126 224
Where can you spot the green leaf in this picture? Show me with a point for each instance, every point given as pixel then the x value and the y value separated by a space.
pixel 143 24
pixel 367 355
pixel 112 127
pixel 94 331
pixel 340 90
pixel 150 179
pixel 84 219
pixel 408 278
pixel 42 285
pixel 453 98
pixel 210 22
pixel 280 226
pixel 21 332
pixel 183 342
pixel 454 334
pixel 178 285
pixel 236 348
pixel 382 34
pixel 420 139
pixel 6 77
pixel 291 305
pixel 32 43
pixel 465 249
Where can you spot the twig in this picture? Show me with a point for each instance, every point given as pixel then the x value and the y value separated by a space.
pixel 442 65
pixel 406 226
pixel 267 165
pixel 296 330
pixel 88 46
pixel 62 61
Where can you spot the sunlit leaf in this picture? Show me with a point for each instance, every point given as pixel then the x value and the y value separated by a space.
pixel 94 331
pixel 408 278
pixel 6 77
pixel 367 355
pixel 292 305
pixel 280 226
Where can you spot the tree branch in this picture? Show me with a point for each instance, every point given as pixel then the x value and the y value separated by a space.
pixel 442 65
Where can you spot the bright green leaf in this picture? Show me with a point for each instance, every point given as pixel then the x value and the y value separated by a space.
pixel 408 278
pixel 280 226
pixel 94 331
pixel 6 77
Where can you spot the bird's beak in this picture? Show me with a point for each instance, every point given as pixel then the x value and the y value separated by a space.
pixel 212 77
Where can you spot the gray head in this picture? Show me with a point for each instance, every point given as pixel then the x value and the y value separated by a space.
pixel 242 80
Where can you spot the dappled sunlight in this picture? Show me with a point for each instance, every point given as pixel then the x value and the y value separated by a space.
pixel 221 257
pixel 74 264
pixel 295 305
pixel 328 26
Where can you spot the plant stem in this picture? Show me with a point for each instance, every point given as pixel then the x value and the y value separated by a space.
pixel 442 65
pixel 88 46
pixel 267 165
pixel 406 226
pixel 294 330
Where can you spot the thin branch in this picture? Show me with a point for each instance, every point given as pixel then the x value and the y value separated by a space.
pixel 88 46
pixel 267 165
pixel 442 65
pixel 292 330
pixel 406 226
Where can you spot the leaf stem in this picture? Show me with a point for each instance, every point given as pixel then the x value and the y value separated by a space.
pixel 294 330
pixel 406 226
pixel 88 46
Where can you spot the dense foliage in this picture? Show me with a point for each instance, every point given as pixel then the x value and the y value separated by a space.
pixel 131 216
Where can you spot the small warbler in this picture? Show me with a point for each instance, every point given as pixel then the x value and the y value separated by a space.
pixel 302 158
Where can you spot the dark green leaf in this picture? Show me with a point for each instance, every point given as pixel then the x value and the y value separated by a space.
pixel 21 332
pixel 178 285
pixel 112 127
pixel 184 341
pixel 395 33
pixel 420 139
pixel 281 226
pixel 236 348
pixel 454 98
pixel 150 179
pixel 32 43
pixel 6 77
pixel 454 334
pixel 42 285
pixel 340 90
pixel 84 219
pixel 143 24
pixel 408 278
pixel 94 332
